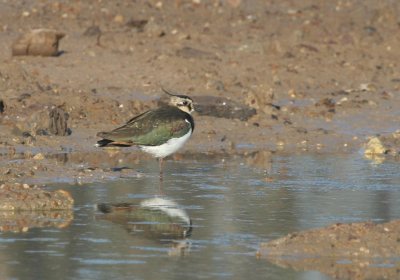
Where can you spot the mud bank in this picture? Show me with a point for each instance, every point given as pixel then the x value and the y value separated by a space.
pixel 343 251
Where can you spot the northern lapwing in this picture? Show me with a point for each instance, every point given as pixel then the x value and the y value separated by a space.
pixel 159 132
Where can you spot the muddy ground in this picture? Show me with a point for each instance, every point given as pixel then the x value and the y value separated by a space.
pixel 321 76
pixel 343 251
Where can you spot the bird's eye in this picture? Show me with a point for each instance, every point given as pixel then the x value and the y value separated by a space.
pixel 184 103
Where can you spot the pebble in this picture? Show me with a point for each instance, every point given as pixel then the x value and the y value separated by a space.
pixel 39 156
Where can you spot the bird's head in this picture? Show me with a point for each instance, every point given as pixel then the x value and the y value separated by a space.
pixel 183 102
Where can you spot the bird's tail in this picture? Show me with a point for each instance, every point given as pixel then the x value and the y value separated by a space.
pixel 104 207
pixel 103 142
pixel 111 208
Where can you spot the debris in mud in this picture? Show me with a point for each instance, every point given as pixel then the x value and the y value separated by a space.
pixel 58 122
pixel 362 245
pixel 22 221
pixel 329 103
pixel 42 42
pixel 138 24
pixel 17 196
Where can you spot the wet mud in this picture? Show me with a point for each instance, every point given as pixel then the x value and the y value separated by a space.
pixel 343 251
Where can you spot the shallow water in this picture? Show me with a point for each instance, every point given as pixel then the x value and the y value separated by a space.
pixel 234 205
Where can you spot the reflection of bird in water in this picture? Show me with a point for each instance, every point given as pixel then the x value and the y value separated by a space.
pixel 157 218
pixel 159 132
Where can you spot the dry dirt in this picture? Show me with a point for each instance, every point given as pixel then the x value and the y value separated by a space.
pixel 323 76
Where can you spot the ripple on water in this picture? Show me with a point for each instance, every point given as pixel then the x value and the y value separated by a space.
pixel 108 261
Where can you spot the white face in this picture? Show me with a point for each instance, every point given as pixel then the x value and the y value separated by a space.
pixel 184 103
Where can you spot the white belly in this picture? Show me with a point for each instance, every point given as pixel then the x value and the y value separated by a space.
pixel 168 148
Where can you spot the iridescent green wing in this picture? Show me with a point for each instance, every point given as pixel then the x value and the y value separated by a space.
pixel 152 128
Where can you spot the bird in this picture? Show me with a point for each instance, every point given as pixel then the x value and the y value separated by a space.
pixel 159 132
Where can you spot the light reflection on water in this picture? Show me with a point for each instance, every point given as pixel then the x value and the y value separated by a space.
pixel 233 207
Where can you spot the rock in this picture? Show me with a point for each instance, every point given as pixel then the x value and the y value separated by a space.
pixel 38 156
pixel 42 42
pixel 219 107
pixel 375 147
pixel 58 122
pixel 20 197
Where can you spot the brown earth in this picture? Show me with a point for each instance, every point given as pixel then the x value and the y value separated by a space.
pixel 322 76
pixel 343 251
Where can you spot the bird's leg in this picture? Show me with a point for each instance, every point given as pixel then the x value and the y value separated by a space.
pixel 160 162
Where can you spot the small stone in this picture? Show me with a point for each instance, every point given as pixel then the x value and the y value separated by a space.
pixel 38 156
pixel 119 18
pixel 159 5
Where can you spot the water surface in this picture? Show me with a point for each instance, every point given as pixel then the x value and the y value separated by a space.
pixel 234 204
